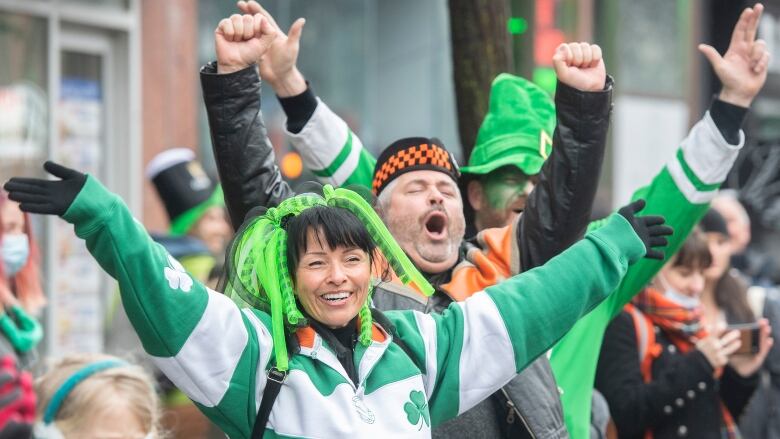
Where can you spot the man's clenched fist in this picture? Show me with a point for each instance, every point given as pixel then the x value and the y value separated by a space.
pixel 579 65
pixel 241 40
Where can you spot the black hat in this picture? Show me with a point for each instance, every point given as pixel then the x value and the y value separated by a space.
pixel 184 187
pixel 713 221
pixel 412 154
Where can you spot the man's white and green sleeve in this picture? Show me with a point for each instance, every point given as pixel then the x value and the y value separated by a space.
pixel 332 151
pixel 681 193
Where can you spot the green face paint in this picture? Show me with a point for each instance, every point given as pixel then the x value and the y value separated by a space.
pixel 505 192
pixel 504 185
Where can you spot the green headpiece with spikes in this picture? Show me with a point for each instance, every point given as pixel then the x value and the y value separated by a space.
pixel 258 273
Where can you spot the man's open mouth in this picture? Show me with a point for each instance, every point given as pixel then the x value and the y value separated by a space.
pixel 436 225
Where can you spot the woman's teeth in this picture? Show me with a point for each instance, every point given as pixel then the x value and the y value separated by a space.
pixel 336 296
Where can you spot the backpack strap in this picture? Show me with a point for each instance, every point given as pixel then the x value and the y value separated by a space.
pixel 647 346
pixel 273 385
pixel 646 343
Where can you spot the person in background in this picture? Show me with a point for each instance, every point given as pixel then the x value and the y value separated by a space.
pixel 21 297
pixel 757 267
pixel 199 228
pixel 20 269
pixel 96 396
pixel 513 142
pixel 737 220
pixel 761 418
pixel 724 298
pixel 662 371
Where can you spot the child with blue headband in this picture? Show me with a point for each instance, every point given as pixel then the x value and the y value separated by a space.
pixel 85 396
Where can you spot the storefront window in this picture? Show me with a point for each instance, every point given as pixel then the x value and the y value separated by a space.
pixel 652 41
pixel 78 320
pixel 23 95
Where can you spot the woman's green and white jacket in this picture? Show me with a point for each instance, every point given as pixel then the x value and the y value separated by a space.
pixel 218 354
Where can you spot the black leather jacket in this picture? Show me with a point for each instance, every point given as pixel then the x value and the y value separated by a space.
pixel 245 157
pixel 556 215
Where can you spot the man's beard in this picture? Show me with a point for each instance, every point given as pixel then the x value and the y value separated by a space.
pixel 409 232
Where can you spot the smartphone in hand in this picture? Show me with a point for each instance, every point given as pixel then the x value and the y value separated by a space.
pixel 750 335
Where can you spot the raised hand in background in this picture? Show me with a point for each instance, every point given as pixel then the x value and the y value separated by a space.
pixel 580 66
pixel 241 40
pixel 278 67
pixel 742 70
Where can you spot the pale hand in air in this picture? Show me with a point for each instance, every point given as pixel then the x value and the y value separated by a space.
pixel 743 69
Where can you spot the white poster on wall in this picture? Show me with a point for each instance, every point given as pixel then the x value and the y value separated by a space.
pixel 647 132
pixel 23 124
pixel 77 305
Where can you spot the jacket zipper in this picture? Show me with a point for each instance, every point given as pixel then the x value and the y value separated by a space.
pixel 515 412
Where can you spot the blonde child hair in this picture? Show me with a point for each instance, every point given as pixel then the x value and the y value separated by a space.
pixel 106 383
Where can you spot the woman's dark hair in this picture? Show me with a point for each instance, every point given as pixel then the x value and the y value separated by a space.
pixel 338 227
pixel 730 292
pixel 731 297
pixel 694 252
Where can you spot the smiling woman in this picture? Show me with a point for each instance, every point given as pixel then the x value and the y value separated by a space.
pixel 333 256
pixel 307 268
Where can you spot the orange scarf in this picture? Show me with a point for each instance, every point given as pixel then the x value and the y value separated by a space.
pixel 683 327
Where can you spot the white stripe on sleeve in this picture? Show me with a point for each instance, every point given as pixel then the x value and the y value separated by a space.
pixel 205 364
pixel 487 360
pixel 427 328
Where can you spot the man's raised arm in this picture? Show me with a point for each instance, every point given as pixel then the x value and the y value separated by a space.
pixel 328 147
pixel 231 91
pixel 558 209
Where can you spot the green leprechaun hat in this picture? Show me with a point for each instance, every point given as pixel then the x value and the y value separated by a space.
pixel 517 130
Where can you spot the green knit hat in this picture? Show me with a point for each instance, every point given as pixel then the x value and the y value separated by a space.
pixel 517 130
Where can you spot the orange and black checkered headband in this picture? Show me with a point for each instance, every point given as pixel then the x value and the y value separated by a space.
pixel 412 154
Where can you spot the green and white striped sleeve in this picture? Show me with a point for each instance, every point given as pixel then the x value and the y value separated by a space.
pixel 681 193
pixel 332 151
pixel 200 339
pixel 476 346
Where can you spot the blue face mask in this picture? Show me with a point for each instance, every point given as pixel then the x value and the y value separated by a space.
pixel 16 250
pixel 684 300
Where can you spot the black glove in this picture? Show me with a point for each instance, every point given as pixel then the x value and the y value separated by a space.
pixel 51 197
pixel 650 229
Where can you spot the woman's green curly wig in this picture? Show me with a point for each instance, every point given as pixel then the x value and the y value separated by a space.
pixel 257 270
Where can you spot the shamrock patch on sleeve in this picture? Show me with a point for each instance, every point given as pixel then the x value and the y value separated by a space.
pixel 417 408
pixel 177 276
